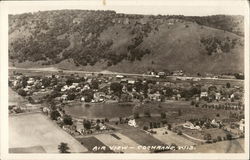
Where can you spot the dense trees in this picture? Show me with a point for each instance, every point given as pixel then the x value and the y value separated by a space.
pixel 215 45
pixel 67 120
pixel 116 88
pixel 22 92
pixel 54 115
pixel 86 124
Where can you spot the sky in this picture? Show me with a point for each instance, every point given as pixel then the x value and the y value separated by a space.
pixel 177 7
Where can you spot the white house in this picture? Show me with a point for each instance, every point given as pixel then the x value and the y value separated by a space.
pixel 119 76
pixel 64 97
pixel 213 122
pixel 203 94
pixel 217 96
pixel 242 125
pixel 190 126
pixel 131 82
pixel 132 123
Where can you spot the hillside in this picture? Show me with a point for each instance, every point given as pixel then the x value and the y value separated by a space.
pixel 105 40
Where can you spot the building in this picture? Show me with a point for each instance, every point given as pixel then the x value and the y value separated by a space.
pixel 132 123
pixel 190 125
pixel 203 94
pixel 217 96
pixel 162 74
pixel 119 76
pixel 242 125
pixel 178 73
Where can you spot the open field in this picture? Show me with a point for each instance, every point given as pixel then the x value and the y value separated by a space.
pixel 214 132
pixel 15 99
pixel 91 142
pixel 233 146
pixel 140 137
pixel 31 130
pixel 171 137
pixel 129 146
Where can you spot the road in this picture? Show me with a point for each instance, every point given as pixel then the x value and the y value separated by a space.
pixel 52 69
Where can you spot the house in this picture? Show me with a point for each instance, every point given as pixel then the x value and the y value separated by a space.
pixel 131 82
pixel 196 79
pixel 46 110
pixel 64 88
pixel 102 126
pixel 155 97
pixel 64 97
pixel 214 123
pixel 217 96
pixel 132 123
pixel 119 76
pixel 82 99
pixel 124 80
pixel 31 81
pixel 232 96
pixel 178 96
pixel 203 94
pixel 190 125
pixel 162 74
pixel 85 87
pixel 242 125
pixel 99 96
pixel 178 73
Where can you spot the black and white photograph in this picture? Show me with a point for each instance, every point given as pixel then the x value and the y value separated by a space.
pixel 155 78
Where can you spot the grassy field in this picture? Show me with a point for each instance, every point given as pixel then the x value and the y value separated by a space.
pixel 233 146
pixel 129 146
pixel 171 138
pixel 141 137
pixel 15 99
pixel 30 130
pixel 214 132
pixel 91 142
pixel 187 111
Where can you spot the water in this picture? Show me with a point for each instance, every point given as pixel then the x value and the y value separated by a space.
pixel 99 110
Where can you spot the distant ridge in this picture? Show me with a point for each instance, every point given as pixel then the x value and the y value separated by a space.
pixel 106 40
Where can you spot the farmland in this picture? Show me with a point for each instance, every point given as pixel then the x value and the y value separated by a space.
pixel 37 132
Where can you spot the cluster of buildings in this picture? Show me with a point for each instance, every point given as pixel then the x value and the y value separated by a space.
pixel 97 88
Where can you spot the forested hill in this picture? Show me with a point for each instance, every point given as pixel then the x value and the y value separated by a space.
pixel 106 40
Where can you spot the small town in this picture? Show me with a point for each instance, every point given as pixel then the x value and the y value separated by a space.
pixel 155 109
pixel 131 81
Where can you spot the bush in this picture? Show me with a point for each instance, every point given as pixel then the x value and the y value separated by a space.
pixel 67 120
pixel 22 92
pixel 207 137
pixel 229 136
pixel 163 115
pixel 192 103
pixel 145 128
pixel 54 115
pixel 147 114
pixel 136 115
pixel 219 138
pixel 169 126
pixel 179 132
